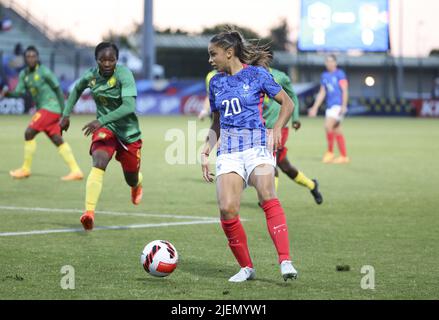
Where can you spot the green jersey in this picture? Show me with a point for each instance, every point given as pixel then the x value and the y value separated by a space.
pixel 115 101
pixel 209 76
pixel 271 108
pixel 43 86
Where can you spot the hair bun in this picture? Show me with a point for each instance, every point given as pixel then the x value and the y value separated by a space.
pixel 236 35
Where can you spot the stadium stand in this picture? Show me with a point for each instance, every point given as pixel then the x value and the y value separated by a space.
pixel 66 58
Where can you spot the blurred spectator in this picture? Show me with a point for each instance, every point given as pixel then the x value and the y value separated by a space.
pixel 17 60
pixel 5 24
pixel 435 91
pixel 14 63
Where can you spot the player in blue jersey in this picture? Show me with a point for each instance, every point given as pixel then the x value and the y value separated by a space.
pixel 333 86
pixel 245 156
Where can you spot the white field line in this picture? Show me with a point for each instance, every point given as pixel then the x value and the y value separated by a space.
pixel 132 226
pixel 157 215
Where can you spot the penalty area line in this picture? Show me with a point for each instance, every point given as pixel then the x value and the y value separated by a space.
pixel 103 228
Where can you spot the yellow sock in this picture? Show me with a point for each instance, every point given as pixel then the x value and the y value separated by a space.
pixel 29 149
pixel 93 188
pixel 304 181
pixel 66 152
pixel 276 183
pixel 140 178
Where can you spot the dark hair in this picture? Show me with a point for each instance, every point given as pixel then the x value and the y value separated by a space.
pixel 248 53
pixel 31 48
pixel 105 45
pixel 332 56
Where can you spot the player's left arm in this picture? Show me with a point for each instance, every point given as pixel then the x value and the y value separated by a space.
pixel 127 107
pixel 288 87
pixel 344 85
pixel 286 110
pixel 270 87
pixel 54 84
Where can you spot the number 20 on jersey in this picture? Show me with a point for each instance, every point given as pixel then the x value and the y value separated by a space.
pixel 232 107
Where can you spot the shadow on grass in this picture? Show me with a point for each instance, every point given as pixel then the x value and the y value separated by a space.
pixel 207 270
pixel 203 269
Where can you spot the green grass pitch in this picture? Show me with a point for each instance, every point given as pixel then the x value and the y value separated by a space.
pixel 381 211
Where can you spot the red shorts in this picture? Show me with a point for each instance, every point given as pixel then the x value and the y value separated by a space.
pixel 282 150
pixel 127 154
pixel 46 121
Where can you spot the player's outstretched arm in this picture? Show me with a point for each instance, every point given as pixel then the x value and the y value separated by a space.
pixel 3 91
pixel 20 89
pixel 312 112
pixel 71 101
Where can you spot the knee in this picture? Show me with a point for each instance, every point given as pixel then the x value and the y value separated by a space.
pixel 100 162
pixel 57 140
pixel 283 165
pixel 132 180
pixel 29 135
pixel 266 193
pixel 229 209
pixel 329 128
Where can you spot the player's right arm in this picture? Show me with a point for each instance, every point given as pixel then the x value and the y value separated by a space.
pixel 212 138
pixel 312 112
pixel 209 145
pixel 74 96
pixel 20 89
pixel 288 87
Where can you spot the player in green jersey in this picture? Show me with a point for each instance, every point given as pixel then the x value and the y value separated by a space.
pixel 116 129
pixel 270 113
pixel 49 99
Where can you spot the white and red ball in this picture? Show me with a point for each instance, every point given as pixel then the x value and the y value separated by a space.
pixel 159 258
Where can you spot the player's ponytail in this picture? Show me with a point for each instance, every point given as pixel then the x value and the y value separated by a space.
pixel 247 52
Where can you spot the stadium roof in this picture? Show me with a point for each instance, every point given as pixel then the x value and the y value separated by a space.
pixel 173 41
pixel 366 60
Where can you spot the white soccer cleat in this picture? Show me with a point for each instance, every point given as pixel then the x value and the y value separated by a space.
pixel 287 270
pixel 243 275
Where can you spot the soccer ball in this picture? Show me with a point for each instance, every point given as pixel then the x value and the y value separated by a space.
pixel 159 258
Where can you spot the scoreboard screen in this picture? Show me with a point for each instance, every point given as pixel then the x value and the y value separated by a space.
pixel 340 25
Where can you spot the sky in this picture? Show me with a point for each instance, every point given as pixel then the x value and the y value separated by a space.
pixel 89 20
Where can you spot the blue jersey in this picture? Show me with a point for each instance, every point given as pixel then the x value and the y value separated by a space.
pixel 239 100
pixel 332 82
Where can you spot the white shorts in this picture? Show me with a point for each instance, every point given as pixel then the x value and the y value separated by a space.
pixel 334 112
pixel 244 162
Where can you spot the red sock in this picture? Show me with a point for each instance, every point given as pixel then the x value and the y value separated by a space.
pixel 237 241
pixel 330 137
pixel 341 144
pixel 277 227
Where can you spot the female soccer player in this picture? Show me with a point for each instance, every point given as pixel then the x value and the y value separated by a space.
pixel 49 99
pixel 236 95
pixel 333 85
pixel 116 129
pixel 270 115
